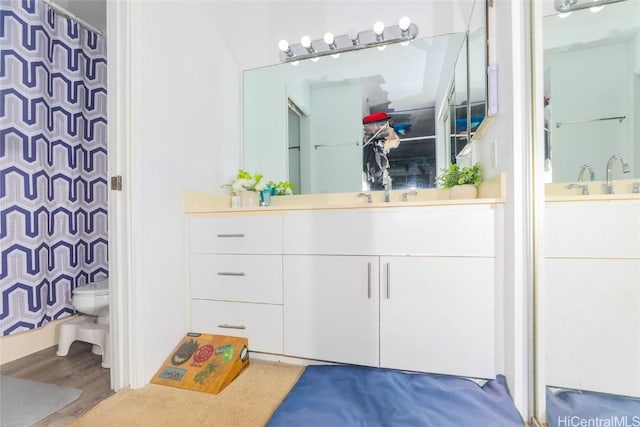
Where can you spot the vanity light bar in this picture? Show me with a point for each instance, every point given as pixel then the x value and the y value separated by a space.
pixel 332 45
pixel 565 6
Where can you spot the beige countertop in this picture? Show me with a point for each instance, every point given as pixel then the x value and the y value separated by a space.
pixel 560 192
pixel 489 192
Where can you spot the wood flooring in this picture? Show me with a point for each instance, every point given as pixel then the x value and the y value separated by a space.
pixel 80 368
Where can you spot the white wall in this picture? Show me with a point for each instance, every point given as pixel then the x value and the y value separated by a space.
pixel 185 114
pixel 252 29
pixel 584 86
pixel 335 121
pixel 509 133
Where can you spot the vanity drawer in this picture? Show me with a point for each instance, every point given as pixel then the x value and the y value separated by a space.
pixel 242 278
pixel 259 234
pixel 430 231
pixel 261 324
pixel 609 229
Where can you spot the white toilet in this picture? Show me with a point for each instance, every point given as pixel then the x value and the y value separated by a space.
pixel 91 301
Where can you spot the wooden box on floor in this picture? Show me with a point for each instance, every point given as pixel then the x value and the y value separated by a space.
pixel 204 362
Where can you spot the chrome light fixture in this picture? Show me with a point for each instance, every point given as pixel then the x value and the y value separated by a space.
pixel 380 35
pixel 568 6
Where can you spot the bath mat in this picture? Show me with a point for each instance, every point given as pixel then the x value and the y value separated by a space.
pixel 24 402
pixel 361 396
pixel 576 407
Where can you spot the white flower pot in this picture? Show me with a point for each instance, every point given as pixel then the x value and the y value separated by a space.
pixel 249 199
pixel 464 191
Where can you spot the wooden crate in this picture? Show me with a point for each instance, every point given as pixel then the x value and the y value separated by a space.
pixel 204 362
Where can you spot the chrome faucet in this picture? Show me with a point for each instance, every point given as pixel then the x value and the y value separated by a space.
pixel 386 181
pixel 583 187
pixel 582 170
pixel 367 195
pixel 625 169
pixel 410 193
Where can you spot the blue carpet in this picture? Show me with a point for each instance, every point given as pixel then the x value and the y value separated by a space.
pixel 361 396
pixel 575 407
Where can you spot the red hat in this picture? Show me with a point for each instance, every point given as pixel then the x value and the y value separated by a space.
pixel 375 117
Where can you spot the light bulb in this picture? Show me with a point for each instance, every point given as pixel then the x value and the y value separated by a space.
pixel 329 39
pixel 383 47
pixel 564 15
pixel 405 43
pixel 315 59
pixel 335 56
pixel 283 45
pixel 404 23
pixel 378 28
pixel 294 63
pixel 305 41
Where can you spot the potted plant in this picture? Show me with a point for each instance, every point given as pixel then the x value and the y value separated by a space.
pixel 282 188
pixel 461 182
pixel 247 188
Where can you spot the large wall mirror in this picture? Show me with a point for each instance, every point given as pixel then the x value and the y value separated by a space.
pixel 588 286
pixel 303 122
pixel 592 91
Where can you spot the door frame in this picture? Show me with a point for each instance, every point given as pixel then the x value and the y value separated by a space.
pixel 119 201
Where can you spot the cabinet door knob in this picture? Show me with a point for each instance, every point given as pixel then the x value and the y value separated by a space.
pixel 226 326
pixel 229 273
pixel 230 235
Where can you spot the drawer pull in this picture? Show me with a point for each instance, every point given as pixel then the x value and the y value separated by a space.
pixel 229 273
pixel 225 326
pixel 230 235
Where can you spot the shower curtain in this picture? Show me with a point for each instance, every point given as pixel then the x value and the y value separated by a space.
pixel 53 163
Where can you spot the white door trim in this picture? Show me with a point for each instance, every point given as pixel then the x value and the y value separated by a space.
pixel 119 208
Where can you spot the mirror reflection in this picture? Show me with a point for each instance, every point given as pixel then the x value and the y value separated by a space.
pixel 589 353
pixel 592 93
pixel 304 122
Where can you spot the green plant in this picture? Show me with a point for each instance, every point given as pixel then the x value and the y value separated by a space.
pixel 282 188
pixel 455 175
pixel 245 182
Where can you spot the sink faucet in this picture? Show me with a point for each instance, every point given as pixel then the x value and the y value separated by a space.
pixel 410 193
pixel 625 169
pixel 367 195
pixel 582 171
pixel 386 181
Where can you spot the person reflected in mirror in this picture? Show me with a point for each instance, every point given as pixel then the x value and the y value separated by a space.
pixel 379 138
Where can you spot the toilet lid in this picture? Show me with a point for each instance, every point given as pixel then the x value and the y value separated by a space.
pixel 100 287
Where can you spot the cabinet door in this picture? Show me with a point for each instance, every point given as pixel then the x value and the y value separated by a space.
pixel 331 308
pixel 438 315
pixel 591 320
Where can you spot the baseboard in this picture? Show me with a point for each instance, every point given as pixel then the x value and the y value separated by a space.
pixel 13 347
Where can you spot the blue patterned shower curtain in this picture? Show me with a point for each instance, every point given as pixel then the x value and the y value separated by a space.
pixel 53 163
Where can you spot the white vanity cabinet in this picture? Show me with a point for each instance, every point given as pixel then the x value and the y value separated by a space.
pixel 236 278
pixel 332 308
pixel 591 296
pixel 410 288
pixel 438 315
